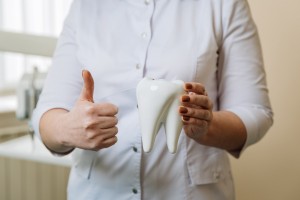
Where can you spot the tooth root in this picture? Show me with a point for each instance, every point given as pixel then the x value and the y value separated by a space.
pixel 158 102
pixel 172 133
pixel 173 122
pixel 150 124
pixel 149 121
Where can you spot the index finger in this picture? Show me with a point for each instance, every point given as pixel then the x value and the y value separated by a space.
pixel 197 88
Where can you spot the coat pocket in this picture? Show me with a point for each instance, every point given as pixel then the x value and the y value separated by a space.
pixel 206 165
pixel 83 161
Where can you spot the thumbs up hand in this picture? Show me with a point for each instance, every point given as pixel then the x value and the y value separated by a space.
pixel 93 125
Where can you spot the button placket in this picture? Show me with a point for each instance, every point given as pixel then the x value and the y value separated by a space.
pixel 144 34
pixel 136 152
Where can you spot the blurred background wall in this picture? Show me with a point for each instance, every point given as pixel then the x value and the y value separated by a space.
pixel 270 170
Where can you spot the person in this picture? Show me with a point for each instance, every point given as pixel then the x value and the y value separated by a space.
pixel 88 105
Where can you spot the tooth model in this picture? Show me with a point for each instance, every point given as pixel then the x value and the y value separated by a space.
pixel 158 102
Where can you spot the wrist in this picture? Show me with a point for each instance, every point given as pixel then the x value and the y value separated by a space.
pixel 226 131
pixel 209 138
pixel 62 138
pixel 53 129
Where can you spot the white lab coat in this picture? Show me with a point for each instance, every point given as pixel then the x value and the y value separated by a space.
pixel 214 42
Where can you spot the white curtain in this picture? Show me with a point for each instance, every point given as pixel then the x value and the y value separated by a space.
pixel 37 17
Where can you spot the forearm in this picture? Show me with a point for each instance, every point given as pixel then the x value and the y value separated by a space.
pixel 226 131
pixel 52 128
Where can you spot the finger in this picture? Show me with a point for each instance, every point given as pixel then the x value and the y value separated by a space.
pixel 201 114
pixel 108 122
pixel 109 142
pixel 99 138
pixel 197 88
pixel 87 92
pixel 198 100
pixel 108 133
pixel 103 122
pixel 106 109
pixel 187 121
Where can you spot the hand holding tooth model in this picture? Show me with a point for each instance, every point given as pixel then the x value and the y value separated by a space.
pixel 159 102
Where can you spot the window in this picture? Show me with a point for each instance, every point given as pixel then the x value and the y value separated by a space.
pixel 29 18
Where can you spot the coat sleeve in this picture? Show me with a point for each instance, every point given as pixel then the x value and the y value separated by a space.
pixel 64 80
pixel 242 87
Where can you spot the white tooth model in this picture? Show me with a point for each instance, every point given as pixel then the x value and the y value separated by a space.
pixel 158 102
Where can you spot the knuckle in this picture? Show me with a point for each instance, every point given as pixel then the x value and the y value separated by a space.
pixel 89 110
pixel 198 100
pixel 88 123
pixel 191 112
pixel 90 135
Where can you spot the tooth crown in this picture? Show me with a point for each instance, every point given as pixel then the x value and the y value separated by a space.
pixel 158 102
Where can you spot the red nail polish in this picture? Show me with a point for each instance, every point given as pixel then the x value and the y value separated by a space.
pixel 185 98
pixel 186 118
pixel 183 110
pixel 188 86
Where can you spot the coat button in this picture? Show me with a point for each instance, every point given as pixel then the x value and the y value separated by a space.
pixel 217 175
pixel 134 149
pixel 134 191
pixel 144 35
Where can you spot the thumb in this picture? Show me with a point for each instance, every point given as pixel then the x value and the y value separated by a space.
pixel 87 92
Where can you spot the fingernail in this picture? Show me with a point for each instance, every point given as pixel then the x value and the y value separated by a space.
pixel 185 98
pixel 186 118
pixel 188 86
pixel 183 110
